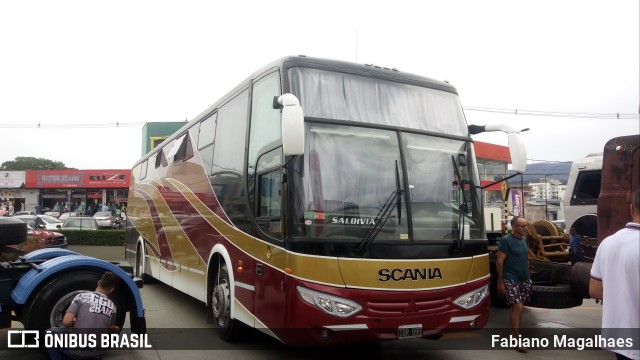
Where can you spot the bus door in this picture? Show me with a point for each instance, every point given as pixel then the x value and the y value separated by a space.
pixel 269 285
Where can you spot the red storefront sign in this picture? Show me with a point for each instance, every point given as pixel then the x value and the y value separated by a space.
pixel 56 179
pixel 107 178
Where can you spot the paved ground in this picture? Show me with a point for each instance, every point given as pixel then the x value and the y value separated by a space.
pixel 177 321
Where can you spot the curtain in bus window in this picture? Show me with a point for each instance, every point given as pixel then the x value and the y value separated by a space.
pixel 343 169
pixel 323 92
pixel 333 95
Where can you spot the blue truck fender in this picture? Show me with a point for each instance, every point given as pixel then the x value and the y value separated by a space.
pixel 48 269
pixel 48 253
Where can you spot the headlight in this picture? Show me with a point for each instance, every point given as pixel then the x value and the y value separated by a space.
pixel 472 299
pixel 330 304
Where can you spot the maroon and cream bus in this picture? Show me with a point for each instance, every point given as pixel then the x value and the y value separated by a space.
pixel 320 202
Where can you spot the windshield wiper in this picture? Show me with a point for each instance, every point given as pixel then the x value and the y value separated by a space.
pixel 384 214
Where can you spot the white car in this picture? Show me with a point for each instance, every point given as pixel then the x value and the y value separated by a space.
pixel 43 222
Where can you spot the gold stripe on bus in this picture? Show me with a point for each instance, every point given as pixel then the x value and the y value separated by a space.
pixel 182 249
pixel 362 273
pixel 256 248
pixel 140 215
pixel 313 268
pixel 480 267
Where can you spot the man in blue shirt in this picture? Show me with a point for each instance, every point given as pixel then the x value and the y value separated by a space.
pixel 576 247
pixel 512 267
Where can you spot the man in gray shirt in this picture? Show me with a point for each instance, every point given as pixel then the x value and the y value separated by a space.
pixel 92 311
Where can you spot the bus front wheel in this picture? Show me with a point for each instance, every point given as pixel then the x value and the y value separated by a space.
pixel 221 305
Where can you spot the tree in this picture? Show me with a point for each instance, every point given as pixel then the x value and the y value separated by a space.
pixel 31 163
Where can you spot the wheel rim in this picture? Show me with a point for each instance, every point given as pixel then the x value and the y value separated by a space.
pixel 58 310
pixel 220 303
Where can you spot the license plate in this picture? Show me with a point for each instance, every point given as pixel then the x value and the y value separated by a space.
pixel 409 331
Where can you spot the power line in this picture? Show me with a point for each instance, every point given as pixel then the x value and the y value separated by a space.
pixel 603 116
pixel 616 116
pixel 71 126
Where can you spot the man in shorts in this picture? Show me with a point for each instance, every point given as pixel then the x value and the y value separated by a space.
pixel 512 267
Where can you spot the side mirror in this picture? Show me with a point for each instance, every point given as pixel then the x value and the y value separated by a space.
pixel 292 119
pixel 516 145
pixel 518 153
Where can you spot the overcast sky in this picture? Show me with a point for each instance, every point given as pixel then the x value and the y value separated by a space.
pixel 66 64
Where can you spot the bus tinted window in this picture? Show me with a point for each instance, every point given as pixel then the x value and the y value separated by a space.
pixel 207 132
pixel 228 153
pixel 587 188
pixel 265 120
pixel 185 149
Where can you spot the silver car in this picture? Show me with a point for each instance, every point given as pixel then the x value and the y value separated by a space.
pixel 80 223
pixel 104 219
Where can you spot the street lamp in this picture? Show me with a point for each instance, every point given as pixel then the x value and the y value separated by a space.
pixel 546 197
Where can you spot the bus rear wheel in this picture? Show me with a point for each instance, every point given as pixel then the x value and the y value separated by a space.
pixel 221 305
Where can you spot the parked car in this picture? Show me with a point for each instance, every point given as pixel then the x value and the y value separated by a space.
pixel 104 219
pixel 80 223
pixel 18 213
pixel 55 214
pixel 69 214
pixel 48 239
pixel 41 221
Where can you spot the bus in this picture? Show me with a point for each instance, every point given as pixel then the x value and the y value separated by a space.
pixel 581 197
pixel 321 202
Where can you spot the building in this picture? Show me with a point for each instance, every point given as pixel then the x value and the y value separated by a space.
pixel 493 165
pixel 547 188
pixel 77 190
pixel 73 190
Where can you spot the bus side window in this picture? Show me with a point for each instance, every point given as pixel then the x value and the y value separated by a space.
pixel 265 120
pixel 185 151
pixel 587 188
pixel 143 170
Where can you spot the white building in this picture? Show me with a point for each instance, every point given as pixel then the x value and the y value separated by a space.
pixel 547 189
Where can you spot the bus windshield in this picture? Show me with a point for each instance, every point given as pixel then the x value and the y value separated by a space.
pixel 349 174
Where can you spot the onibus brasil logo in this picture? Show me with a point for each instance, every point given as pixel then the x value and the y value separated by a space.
pixel 24 339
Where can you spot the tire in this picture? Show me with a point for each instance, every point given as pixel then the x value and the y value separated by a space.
pixel 47 307
pixel 220 295
pixel 559 296
pixel 12 231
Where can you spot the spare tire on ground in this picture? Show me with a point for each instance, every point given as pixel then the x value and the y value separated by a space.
pixel 559 296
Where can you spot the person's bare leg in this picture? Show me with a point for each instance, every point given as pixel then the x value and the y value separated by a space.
pixel 514 322
pixel 514 318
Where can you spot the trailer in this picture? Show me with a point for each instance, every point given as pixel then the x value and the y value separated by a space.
pixel 568 284
pixel 37 288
